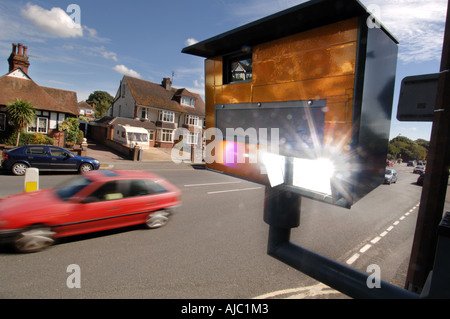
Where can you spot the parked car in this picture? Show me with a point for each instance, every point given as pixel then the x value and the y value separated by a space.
pixel 46 157
pixel 419 170
pixel 95 201
pixel 390 176
pixel 410 163
pixel 420 179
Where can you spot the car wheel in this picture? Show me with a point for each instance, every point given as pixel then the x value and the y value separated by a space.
pixel 19 169
pixel 85 167
pixel 157 219
pixel 33 239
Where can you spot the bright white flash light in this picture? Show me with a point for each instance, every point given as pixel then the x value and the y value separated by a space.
pixel 314 175
pixel 275 166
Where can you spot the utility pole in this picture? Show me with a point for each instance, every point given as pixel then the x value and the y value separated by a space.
pixel 436 178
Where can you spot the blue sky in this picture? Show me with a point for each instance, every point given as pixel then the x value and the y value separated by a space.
pixel 145 38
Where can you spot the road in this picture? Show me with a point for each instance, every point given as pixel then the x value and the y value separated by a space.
pixel 215 245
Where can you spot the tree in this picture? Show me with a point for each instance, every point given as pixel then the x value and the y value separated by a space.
pixel 403 147
pixel 72 128
pixel 20 114
pixel 102 101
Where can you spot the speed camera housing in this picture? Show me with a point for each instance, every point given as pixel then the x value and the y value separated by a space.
pixel 302 93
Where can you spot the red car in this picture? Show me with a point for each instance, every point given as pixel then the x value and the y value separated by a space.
pixel 95 201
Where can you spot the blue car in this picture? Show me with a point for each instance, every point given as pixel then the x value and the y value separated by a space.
pixel 46 157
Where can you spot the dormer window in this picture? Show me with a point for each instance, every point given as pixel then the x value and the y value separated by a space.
pixel 188 101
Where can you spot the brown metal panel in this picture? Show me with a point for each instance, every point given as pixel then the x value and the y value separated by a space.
pixel 235 93
pixel 326 36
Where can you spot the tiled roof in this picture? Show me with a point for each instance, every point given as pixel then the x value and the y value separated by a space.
pixel 151 94
pixel 198 108
pixel 109 120
pixel 42 98
pixel 131 122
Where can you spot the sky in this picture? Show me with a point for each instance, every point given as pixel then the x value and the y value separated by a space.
pixel 87 46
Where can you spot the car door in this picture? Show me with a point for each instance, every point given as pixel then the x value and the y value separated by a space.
pixel 38 156
pixel 103 208
pixel 61 159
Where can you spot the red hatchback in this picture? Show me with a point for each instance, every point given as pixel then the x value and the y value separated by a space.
pixel 95 201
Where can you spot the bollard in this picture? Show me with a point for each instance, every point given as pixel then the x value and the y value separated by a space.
pixel 31 182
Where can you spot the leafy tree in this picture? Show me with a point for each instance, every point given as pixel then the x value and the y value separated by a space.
pixel 102 101
pixel 20 114
pixel 403 147
pixel 72 128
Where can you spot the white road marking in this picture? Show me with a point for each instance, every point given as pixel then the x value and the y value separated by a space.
pixel 375 240
pixel 234 190
pixel 208 184
pixel 301 292
pixel 366 247
pixel 352 259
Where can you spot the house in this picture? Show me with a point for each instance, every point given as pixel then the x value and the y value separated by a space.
pixel 160 109
pixel 86 110
pixel 52 105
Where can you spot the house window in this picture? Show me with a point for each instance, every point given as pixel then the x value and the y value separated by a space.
pixel 191 138
pixel 2 121
pixel 237 68
pixel 39 126
pixel 144 113
pixel 192 120
pixel 188 101
pixel 123 90
pixel 151 134
pixel 165 135
pixel 167 116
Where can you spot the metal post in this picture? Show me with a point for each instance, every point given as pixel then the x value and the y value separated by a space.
pixel 436 179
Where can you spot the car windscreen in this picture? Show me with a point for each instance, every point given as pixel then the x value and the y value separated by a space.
pixel 70 188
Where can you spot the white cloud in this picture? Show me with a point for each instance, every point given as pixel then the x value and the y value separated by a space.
pixel 418 25
pixel 190 41
pixel 126 71
pixel 55 21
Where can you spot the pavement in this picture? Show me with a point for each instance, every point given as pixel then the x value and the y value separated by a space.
pixel 105 154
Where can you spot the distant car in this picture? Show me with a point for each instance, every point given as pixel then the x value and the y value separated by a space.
pixel 95 201
pixel 420 179
pixel 390 176
pixel 46 157
pixel 419 170
pixel 410 163
pixel 389 163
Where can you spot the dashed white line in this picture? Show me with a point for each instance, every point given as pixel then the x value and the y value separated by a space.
pixel 352 259
pixel 375 240
pixel 366 247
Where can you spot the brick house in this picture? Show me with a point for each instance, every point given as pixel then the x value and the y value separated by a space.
pixel 52 105
pixel 159 108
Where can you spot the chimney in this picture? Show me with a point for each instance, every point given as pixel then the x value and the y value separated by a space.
pixel 19 58
pixel 167 84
